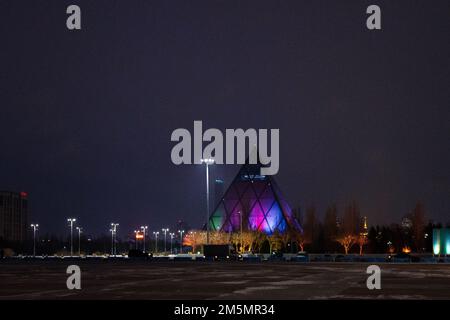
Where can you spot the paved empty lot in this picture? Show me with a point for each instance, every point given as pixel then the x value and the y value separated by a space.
pixel 220 280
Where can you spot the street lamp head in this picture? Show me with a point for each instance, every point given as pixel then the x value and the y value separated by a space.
pixel 207 161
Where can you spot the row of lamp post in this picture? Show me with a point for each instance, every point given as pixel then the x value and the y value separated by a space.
pixel 71 221
pixel 113 230
pixel 156 235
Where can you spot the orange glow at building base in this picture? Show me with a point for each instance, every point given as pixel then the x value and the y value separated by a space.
pixel 406 249
pixel 139 235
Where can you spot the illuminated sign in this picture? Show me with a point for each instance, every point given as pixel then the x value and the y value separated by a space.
pixel 139 235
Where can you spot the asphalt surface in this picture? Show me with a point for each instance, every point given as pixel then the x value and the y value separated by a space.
pixel 220 280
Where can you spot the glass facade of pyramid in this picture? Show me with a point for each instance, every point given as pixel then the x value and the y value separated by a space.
pixel 253 202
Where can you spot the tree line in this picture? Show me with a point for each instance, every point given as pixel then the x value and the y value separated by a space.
pixel 346 233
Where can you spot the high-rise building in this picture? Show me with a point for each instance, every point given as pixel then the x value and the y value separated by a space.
pixel 13 215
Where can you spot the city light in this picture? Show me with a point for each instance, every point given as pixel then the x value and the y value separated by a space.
pixel 71 221
pixel 181 240
pixel 35 228
pixel 171 241
pixel 406 249
pixel 137 236
pixel 207 162
pixel 144 231
pixel 79 229
pixel 156 233
pixel 113 231
pixel 165 230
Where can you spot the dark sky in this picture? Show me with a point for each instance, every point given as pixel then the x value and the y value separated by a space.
pixel 86 116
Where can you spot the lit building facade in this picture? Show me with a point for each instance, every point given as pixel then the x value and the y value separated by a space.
pixel 13 215
pixel 441 241
pixel 253 202
pixel 218 190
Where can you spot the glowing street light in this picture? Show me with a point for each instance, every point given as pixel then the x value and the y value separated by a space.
pixel 144 230
pixel 71 221
pixel 208 162
pixel 171 240
pixel 156 233
pixel 165 240
pixel 113 236
pixel 79 229
pixel 35 228
pixel 136 238
pixel 181 240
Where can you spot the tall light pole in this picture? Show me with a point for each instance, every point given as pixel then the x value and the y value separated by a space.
pixel 207 162
pixel 156 233
pixel 165 240
pixel 79 229
pixel 71 221
pixel 113 236
pixel 192 235
pixel 144 230
pixel 171 240
pixel 35 228
pixel 135 238
pixel 181 240
pixel 240 212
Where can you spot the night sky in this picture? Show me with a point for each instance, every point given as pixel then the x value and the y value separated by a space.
pixel 86 116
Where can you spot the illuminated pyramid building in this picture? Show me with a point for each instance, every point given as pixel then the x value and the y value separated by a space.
pixel 255 201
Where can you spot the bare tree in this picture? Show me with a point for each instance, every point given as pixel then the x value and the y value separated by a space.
pixel 275 241
pixel 310 226
pixel 330 226
pixel 299 238
pixel 347 241
pixel 351 222
pixel 259 238
pixel 418 226
pixel 362 241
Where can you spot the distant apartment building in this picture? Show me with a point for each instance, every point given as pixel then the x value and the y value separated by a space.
pixel 13 215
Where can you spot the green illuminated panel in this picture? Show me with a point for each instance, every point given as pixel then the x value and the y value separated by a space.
pixel 217 219
pixel 446 241
pixel 436 241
